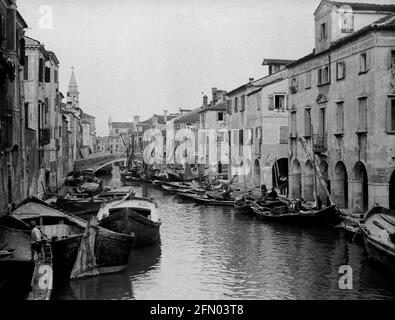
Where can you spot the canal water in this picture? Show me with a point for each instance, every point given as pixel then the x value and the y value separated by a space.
pixel 218 253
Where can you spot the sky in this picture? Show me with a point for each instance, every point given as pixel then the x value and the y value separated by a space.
pixel 140 57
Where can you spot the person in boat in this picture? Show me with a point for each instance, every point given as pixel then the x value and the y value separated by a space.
pixel 219 167
pixel 226 194
pixel 37 237
pixel 283 185
pixel 263 191
pixel 273 194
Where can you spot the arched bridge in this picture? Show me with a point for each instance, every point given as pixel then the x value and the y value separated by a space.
pixel 100 160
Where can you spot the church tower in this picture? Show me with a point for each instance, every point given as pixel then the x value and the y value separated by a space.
pixel 72 92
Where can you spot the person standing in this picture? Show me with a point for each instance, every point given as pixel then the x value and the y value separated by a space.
pixel 37 237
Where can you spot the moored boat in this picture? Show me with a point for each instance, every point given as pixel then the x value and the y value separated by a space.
pixel 85 207
pixel 16 265
pixel 135 215
pixel 378 233
pixel 112 250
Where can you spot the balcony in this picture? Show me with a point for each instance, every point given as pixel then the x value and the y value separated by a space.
pixel 45 136
pixel 320 143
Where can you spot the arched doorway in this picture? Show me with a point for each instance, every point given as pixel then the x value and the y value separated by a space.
pixel 340 185
pixel 280 175
pixel 308 185
pixel 360 196
pixel 392 192
pixel 295 180
pixel 257 174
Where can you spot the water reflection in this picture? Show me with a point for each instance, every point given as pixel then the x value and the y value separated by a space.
pixel 217 253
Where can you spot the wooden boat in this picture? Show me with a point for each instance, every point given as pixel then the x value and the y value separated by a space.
pixel 135 215
pixel 244 205
pixel 275 210
pixel 328 216
pixel 16 265
pixel 112 250
pixel 204 199
pixel 378 233
pixel 84 207
pixel 42 280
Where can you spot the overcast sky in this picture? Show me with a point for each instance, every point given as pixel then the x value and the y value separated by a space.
pixel 139 57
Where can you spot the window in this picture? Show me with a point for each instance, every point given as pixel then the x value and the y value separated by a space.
pixel 294 85
pixel 340 70
pixel 283 134
pixel 307 123
pixel 363 63
pixel 340 117
pixel 116 131
pixel 323 31
pixel 279 102
pixel 362 115
pixel 243 103
pixel 323 76
pixel 2 27
pixel 26 69
pixel 258 102
pixel 26 115
pixel 47 75
pixel 220 116
pixel 321 121
pixel 347 21
pixel 308 80
pixel 60 132
pixel 56 76
pixel 235 104
pixel 293 125
pixel 40 70
pixel 391 115
pixel 392 61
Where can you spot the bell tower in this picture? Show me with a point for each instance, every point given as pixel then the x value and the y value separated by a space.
pixel 72 92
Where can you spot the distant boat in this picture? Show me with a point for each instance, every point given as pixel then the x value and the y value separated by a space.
pixel 112 250
pixel 378 232
pixel 135 215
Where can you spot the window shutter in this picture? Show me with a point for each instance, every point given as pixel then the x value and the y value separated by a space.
pixel 271 101
pixel 390 115
pixel 2 27
pixel 367 60
pixel 287 101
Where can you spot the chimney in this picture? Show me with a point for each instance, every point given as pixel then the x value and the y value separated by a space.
pixel 214 92
pixel 251 79
pixel 136 120
pixel 205 101
pixel 165 115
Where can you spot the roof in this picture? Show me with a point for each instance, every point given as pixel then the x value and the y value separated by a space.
pixel 53 56
pixel 267 62
pixel 358 6
pixel 122 125
pixel 385 23
pixel 20 18
pixel 223 106
pixel 242 87
pixel 30 42
pixel 190 117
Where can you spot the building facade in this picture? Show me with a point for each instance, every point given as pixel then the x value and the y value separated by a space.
pixel 13 184
pixel 258 119
pixel 342 103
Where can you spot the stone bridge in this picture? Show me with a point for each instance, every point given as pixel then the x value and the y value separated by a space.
pixel 98 160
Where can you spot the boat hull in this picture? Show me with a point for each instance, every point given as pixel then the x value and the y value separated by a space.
pixel 127 221
pixel 112 252
pixel 326 217
pixel 378 253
